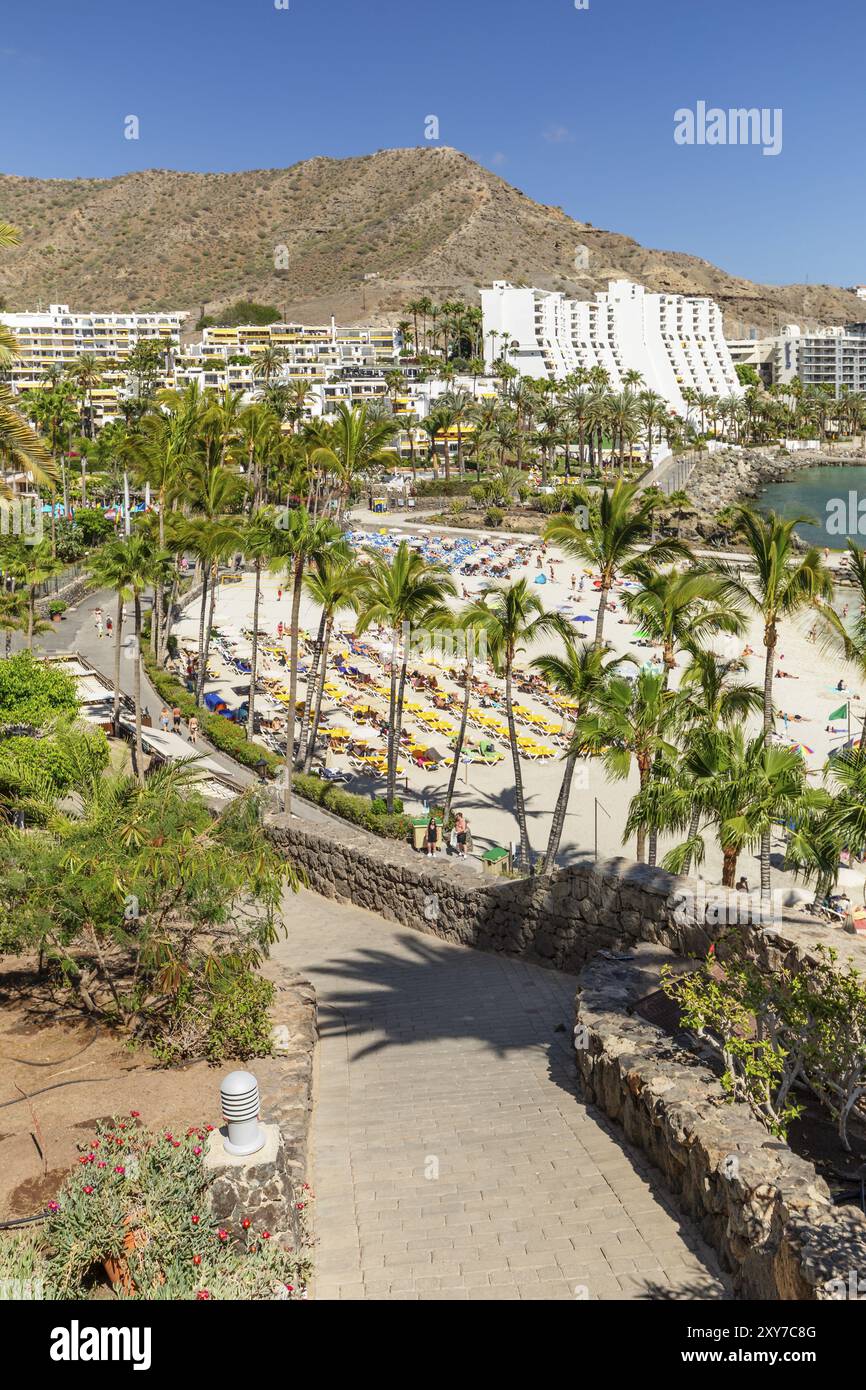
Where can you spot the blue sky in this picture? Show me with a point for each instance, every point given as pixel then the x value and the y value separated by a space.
pixel 576 107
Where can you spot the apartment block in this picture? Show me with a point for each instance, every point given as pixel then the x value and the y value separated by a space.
pixel 675 342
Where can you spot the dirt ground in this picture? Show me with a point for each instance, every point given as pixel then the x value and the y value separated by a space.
pixel 59 1074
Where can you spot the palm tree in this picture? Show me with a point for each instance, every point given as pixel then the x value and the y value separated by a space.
pixel 786 582
pixel 34 564
pixel 844 641
pixel 261 541
pixel 268 362
pixel 401 592
pixel 618 524
pixel 473 645
pixel 355 446
pixel 741 787
pixel 335 584
pixel 306 539
pixel 710 699
pixel 681 609
pixel 633 720
pixel 86 372
pixel 578 675
pixel 127 567
pixel 511 617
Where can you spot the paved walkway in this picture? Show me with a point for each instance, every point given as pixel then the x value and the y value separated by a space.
pixel 451 1157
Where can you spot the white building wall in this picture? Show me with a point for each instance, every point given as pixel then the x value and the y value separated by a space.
pixel 674 341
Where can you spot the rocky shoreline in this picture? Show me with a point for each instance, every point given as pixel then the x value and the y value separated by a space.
pixel 733 475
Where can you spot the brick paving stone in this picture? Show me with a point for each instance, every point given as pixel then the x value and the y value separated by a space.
pixel 451 1155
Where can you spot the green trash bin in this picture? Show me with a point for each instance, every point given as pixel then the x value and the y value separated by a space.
pixel 419 831
pixel 495 860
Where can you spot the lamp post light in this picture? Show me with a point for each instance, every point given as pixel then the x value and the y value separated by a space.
pixel 239 1094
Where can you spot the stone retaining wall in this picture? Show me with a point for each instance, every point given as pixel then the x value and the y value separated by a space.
pixel 559 922
pixel 764 1209
pixel 267 1192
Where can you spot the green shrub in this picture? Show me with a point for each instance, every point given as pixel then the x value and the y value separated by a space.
pixel 379 805
pixel 231 1020
pixel 56 607
pixel 442 487
pixel 494 516
pixel 33 692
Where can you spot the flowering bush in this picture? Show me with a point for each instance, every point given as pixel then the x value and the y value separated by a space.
pixel 136 1207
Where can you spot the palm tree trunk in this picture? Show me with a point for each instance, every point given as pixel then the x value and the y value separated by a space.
pixel 392 704
pixel 694 823
pixel 202 674
pixel 139 752
pixel 599 622
pixel 518 773
pixel 31 614
pixel 312 684
pixel 398 725
pixel 461 738
pixel 320 691
pixel 293 688
pixel 770 642
pixel 254 656
pixel 201 619
pixel 729 868
pixel 115 709
pixel 560 810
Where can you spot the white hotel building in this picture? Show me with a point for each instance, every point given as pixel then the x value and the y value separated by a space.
pixel 673 340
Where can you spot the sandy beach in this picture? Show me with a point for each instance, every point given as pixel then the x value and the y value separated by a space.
pixel 598 805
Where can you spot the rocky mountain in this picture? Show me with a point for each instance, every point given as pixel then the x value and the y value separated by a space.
pixel 354 237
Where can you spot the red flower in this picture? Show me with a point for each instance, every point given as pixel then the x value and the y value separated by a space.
pixel 266 1235
pixel 202 1295
pixel 53 1206
pixel 94 1143
pixel 136 1114
pixel 209 1128
pixel 88 1190
pixel 223 1234
pixel 196 1259
pixel 195 1220
pixel 169 1137
pixel 120 1169
pixel 175 1143
pixel 291 1288
pixel 246 1223
pixel 102 1165
pixel 197 1150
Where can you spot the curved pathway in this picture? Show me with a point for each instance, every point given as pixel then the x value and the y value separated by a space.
pixel 452 1158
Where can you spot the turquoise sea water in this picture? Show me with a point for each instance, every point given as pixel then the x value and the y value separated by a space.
pixel 835 497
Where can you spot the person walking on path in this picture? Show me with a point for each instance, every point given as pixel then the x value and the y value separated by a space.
pixel 163 719
pixel 432 832
pixel 97 621
pixel 193 729
pixel 461 827
pixel 175 718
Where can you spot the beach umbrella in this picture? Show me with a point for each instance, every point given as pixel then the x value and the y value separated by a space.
pixel 582 618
